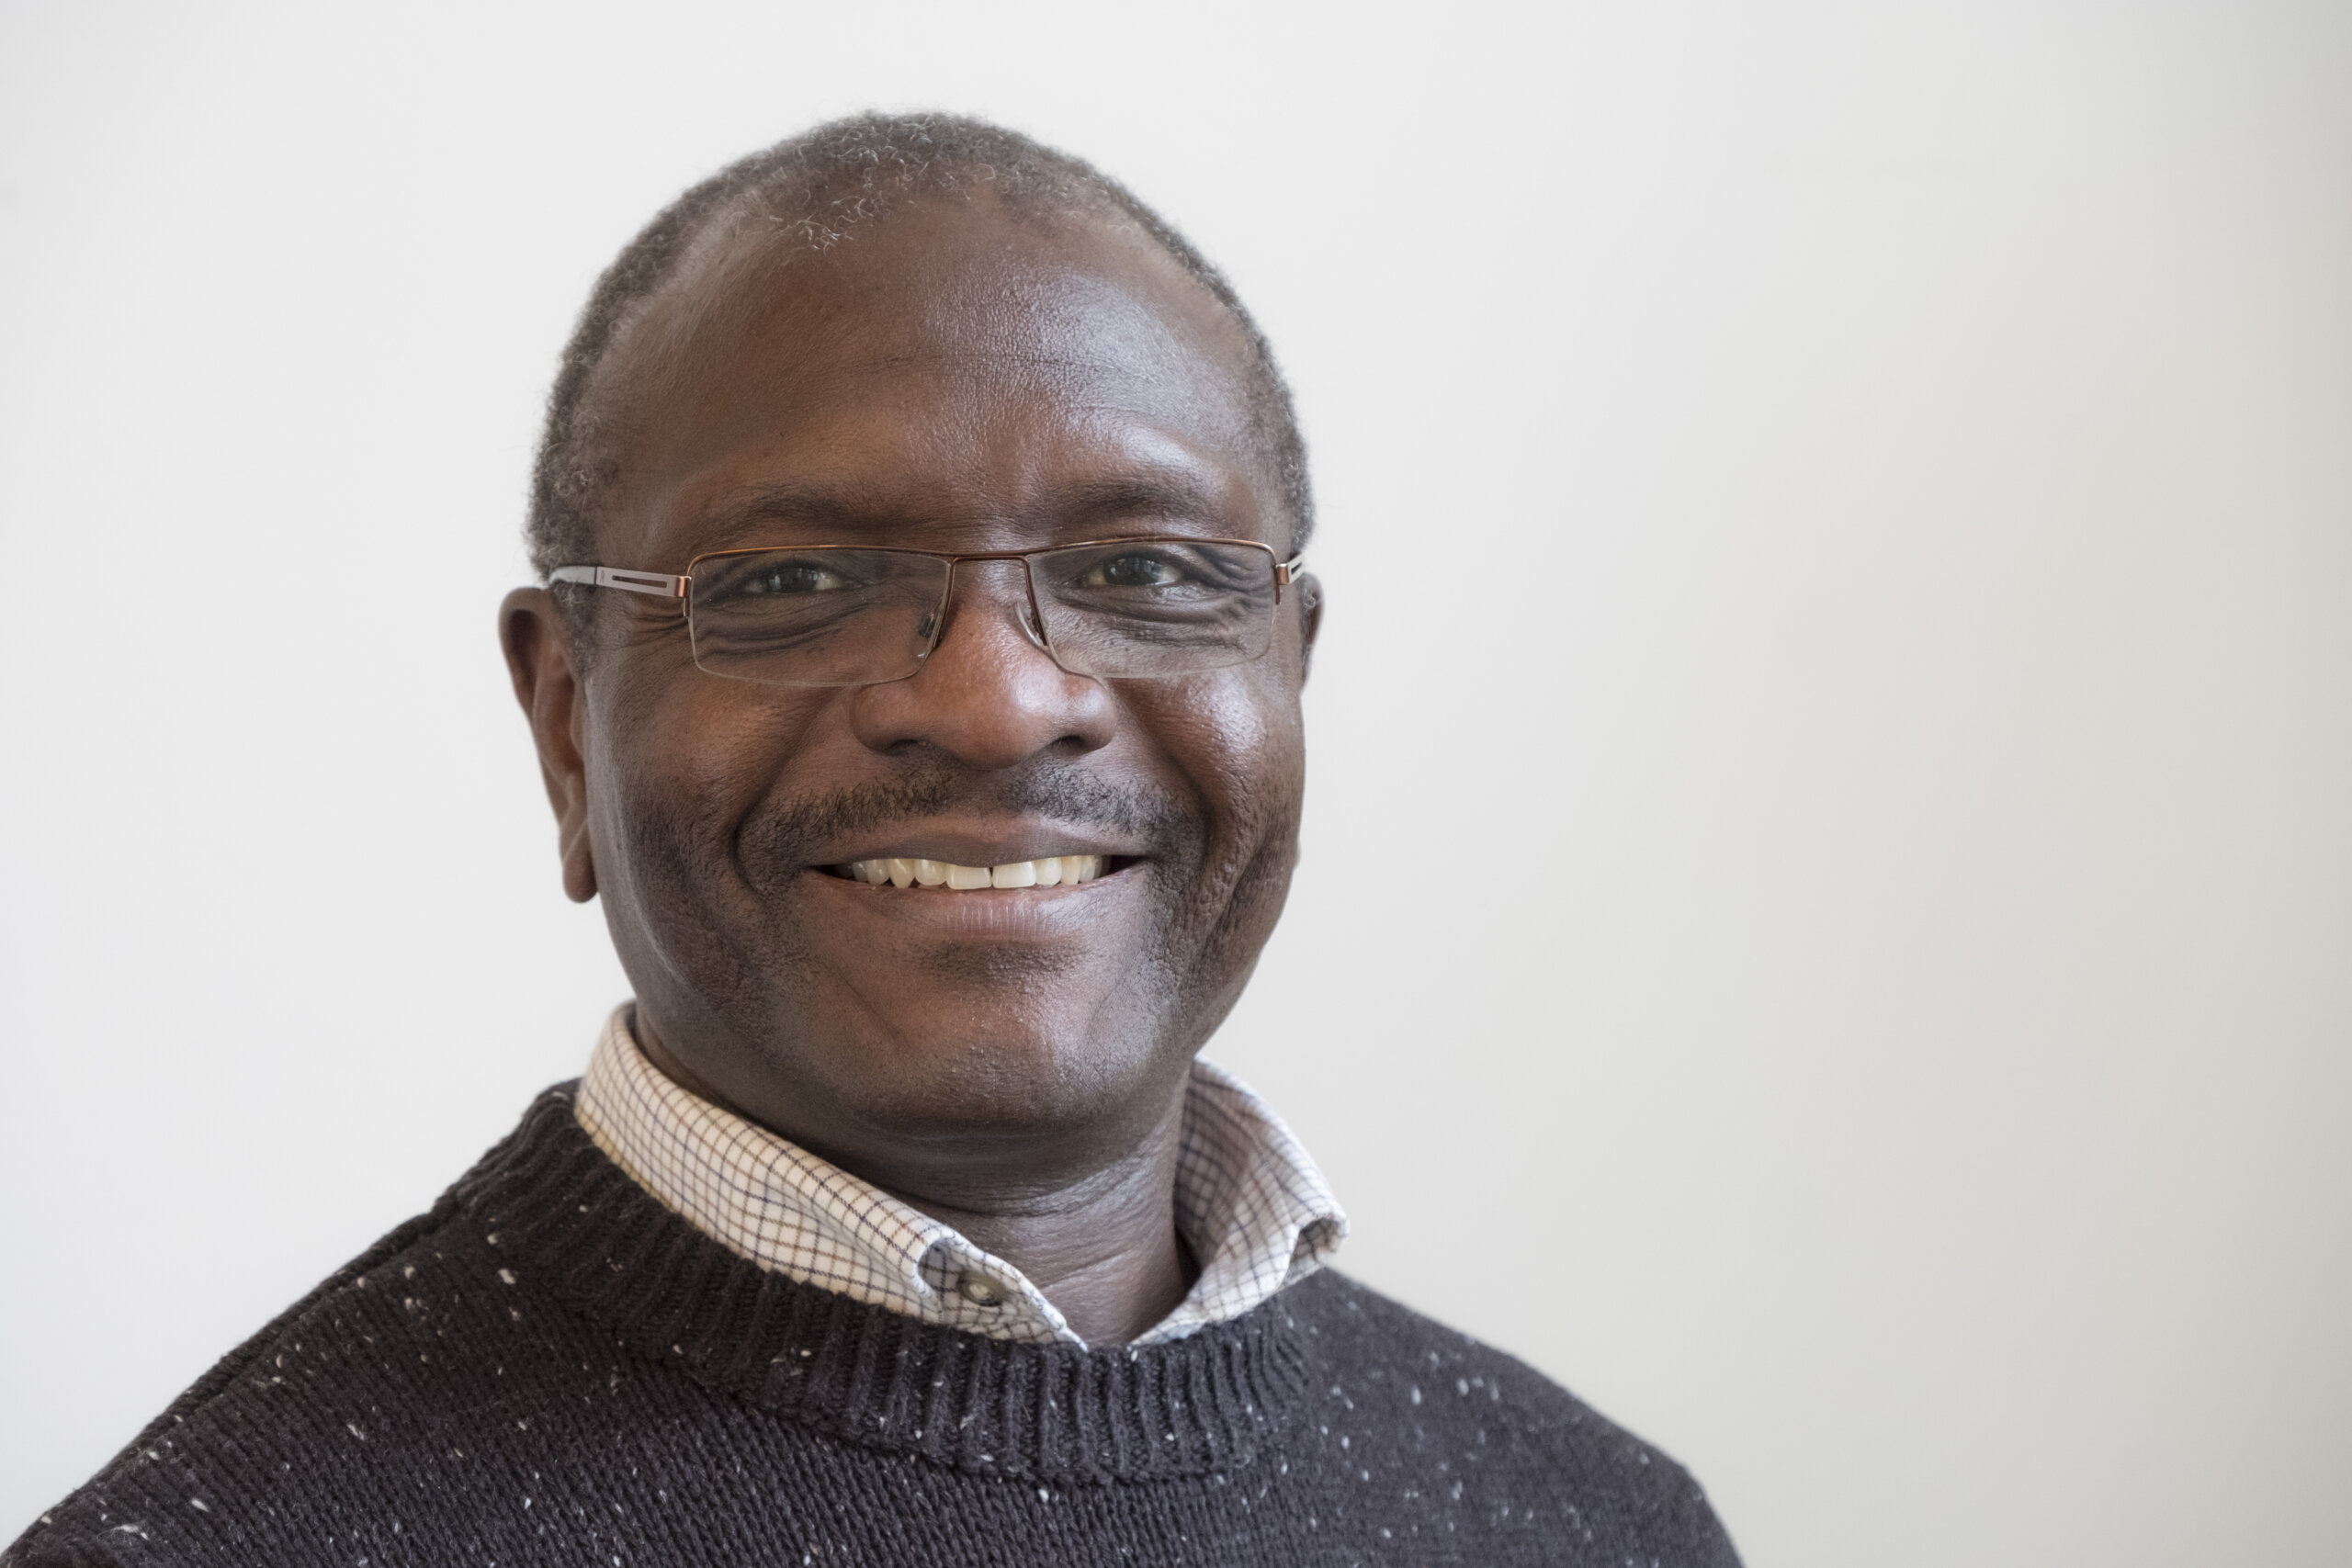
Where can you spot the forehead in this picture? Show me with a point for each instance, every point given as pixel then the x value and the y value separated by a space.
pixel 950 370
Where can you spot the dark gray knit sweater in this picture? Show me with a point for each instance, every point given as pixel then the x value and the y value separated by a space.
pixel 551 1368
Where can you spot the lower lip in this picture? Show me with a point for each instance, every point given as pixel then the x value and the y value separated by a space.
pixel 1007 914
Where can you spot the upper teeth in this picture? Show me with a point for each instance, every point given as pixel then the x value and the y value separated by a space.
pixel 1053 871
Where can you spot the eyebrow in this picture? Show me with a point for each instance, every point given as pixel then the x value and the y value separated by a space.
pixel 1162 494
pixel 746 510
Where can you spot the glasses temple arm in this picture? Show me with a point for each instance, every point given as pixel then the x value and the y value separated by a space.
pixel 661 585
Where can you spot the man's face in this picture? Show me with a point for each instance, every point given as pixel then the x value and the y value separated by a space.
pixel 951 379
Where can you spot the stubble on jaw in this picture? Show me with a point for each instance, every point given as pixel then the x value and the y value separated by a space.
pixel 714 889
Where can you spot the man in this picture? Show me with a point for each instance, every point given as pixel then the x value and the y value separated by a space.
pixel 917 683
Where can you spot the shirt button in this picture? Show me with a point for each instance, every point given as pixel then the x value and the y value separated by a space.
pixel 980 1290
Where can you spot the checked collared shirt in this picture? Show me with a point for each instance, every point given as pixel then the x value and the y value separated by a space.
pixel 1250 1204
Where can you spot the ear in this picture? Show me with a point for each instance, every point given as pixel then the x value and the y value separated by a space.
pixel 547 682
pixel 1310 613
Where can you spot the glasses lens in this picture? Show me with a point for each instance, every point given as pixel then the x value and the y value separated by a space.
pixel 1144 607
pixel 815 617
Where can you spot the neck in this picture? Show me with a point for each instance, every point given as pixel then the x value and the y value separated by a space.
pixel 1102 1247
pixel 1102 1250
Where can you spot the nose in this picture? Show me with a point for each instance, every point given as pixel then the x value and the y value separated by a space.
pixel 989 696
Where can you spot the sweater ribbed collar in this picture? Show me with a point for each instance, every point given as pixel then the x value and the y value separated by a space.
pixel 561 1217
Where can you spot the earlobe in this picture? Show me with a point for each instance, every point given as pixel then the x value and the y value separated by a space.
pixel 579 858
pixel 1310 614
pixel 547 685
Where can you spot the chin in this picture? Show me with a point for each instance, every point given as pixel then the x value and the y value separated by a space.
pixel 1007 1077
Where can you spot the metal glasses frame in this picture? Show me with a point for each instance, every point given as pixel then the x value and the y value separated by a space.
pixel 680 586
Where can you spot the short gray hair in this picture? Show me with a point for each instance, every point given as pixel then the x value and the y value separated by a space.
pixel 818 185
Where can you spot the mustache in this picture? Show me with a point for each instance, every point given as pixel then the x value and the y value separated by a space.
pixel 793 831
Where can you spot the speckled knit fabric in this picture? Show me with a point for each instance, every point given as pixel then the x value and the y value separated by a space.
pixel 551 1368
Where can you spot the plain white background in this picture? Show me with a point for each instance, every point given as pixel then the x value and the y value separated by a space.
pixel 1826 922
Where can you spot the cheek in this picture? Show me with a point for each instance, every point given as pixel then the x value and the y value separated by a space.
pixel 1235 737
pixel 1240 745
pixel 678 765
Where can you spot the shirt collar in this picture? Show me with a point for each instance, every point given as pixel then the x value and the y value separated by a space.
pixel 1249 1202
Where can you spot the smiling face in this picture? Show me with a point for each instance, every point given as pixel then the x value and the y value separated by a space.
pixel 959 380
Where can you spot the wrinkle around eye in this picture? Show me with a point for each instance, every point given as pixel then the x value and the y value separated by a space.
pixel 646 624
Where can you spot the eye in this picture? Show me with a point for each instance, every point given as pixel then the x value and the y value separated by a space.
pixel 1134 570
pixel 781 578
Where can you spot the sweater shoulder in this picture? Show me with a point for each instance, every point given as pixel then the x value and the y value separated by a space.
pixel 1385 1342
pixel 1403 1370
pixel 318 1372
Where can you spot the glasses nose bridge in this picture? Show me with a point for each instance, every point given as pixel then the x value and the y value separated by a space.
pixel 1024 606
